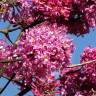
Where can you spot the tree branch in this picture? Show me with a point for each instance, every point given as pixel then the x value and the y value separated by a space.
pixel 36 22
pixel 9 61
pixel 19 36
pixel 73 71
pixel 7 83
pixel 26 87
pixel 7 30
pixel 81 64
pixel 23 92
pixel 15 81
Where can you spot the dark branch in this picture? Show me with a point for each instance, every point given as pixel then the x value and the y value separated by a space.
pixel 23 92
pixel 26 87
pixel 7 36
pixel 7 30
pixel 73 71
pixel 7 84
pixel 11 30
pixel 36 22
pixel 9 61
pixel 15 81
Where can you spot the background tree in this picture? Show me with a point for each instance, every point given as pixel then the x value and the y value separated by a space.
pixel 43 47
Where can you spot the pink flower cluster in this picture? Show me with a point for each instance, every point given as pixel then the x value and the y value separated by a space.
pixel 43 50
pixel 82 82
pixel 90 69
pixel 52 8
pixel 64 12
pixel 69 13
pixel 12 10
pixel 78 84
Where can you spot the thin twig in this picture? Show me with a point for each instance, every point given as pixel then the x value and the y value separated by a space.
pixel 15 81
pixel 26 89
pixel 36 22
pixel 9 61
pixel 7 83
pixel 19 36
pixel 7 30
pixel 81 64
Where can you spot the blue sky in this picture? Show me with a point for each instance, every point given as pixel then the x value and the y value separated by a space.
pixel 80 44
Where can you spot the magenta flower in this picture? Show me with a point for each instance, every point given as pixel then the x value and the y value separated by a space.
pixel 40 50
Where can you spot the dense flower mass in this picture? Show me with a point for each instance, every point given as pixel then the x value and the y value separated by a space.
pixel 72 12
pixel 63 12
pixel 83 83
pixel 78 84
pixel 80 81
pixel 90 54
pixel 42 56
pixel 40 50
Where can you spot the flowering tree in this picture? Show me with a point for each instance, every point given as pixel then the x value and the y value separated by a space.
pixel 43 47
